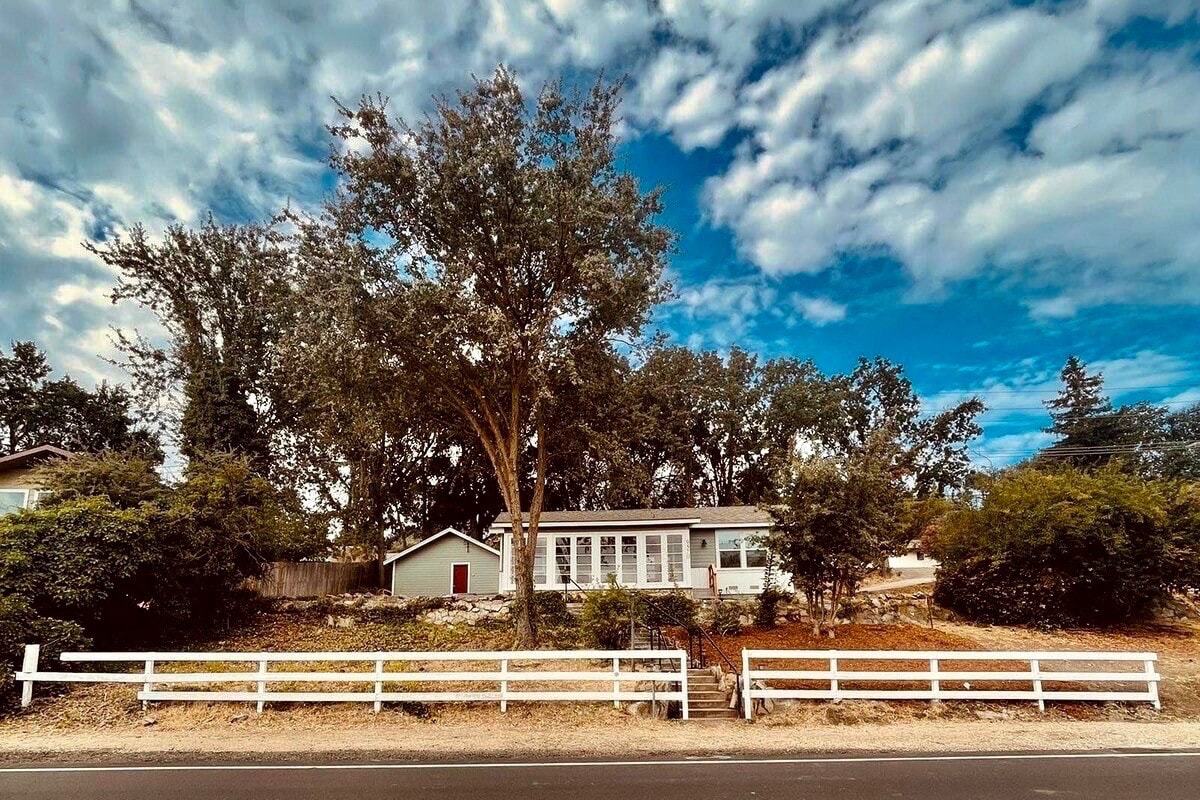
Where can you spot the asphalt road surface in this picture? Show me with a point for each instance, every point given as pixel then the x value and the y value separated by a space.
pixel 1097 776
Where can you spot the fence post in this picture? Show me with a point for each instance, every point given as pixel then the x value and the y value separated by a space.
pixel 833 681
pixel 617 682
pixel 262 686
pixel 29 665
pixel 148 686
pixel 378 685
pixel 503 686
pixel 1035 667
pixel 1152 684
pixel 683 675
pixel 747 705
pixel 935 685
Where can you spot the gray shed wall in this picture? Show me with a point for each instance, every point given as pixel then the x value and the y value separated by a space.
pixel 426 572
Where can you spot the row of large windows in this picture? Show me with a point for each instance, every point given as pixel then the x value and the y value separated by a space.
pixel 736 550
pixel 630 559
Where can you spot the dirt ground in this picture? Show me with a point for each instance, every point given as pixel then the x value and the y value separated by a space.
pixel 107 719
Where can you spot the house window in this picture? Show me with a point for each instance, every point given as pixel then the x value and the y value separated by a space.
pixel 737 551
pixel 539 562
pixel 674 557
pixel 562 559
pixel 629 560
pixel 654 562
pixel 583 559
pixel 11 500
pixel 608 557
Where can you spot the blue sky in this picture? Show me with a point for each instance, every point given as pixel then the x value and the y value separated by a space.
pixel 973 189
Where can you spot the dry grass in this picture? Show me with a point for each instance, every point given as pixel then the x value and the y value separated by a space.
pixel 108 717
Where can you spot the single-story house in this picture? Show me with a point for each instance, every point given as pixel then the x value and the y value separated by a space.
pixel 18 488
pixel 446 563
pixel 709 551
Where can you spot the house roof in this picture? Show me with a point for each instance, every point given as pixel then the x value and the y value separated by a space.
pixel 430 540
pixel 710 516
pixel 24 457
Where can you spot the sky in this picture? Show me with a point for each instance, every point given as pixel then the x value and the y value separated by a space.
pixel 973 189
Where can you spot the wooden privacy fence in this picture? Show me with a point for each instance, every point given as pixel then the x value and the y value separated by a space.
pixel 383 684
pixel 934 677
pixel 317 578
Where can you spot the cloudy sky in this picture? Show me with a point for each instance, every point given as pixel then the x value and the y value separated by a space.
pixel 973 189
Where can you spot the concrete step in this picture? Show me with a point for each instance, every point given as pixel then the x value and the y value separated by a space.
pixel 711 713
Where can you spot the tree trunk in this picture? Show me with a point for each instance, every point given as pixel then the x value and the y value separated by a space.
pixel 525 613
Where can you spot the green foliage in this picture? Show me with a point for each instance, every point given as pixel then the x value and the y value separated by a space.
pixel 726 618
pixel 841 517
pixel 664 609
pixel 551 609
pixel 604 621
pixel 1062 548
pixel 766 605
pixel 36 411
pixel 21 625
pixel 142 562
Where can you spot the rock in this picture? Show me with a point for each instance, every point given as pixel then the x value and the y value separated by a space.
pixel 888 618
pixel 239 718
pixel 994 715
pixel 148 721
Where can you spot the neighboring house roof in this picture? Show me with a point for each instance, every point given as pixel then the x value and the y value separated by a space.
pixel 25 457
pixel 446 532
pixel 711 516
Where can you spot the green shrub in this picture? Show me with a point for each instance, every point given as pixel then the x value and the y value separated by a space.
pixel 726 618
pixel 551 608
pixel 604 621
pixel 667 609
pixel 766 606
pixel 1061 548
pixel 20 625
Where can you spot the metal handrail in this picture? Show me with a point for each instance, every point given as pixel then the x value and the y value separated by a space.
pixel 701 635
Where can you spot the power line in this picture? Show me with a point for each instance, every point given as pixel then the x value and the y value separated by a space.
pixel 1082 450
pixel 1105 388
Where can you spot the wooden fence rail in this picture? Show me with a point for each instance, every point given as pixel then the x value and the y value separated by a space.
pixel 937 676
pixel 317 578
pixel 511 667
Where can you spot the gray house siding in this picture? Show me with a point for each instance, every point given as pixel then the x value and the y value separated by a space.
pixel 426 572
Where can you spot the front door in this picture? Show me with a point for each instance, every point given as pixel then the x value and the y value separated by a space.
pixel 460 575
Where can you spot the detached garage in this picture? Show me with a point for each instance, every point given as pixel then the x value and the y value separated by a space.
pixel 447 563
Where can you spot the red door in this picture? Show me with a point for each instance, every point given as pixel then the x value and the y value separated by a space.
pixel 459 578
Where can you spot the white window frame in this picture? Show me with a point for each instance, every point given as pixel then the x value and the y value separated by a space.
pixel 743 546
pixel 599 576
pixel 454 564
pixel 24 497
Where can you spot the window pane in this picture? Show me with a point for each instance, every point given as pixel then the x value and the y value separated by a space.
pixel 731 559
pixel 539 563
pixel 11 500
pixel 608 557
pixel 629 554
pixel 583 559
pixel 654 564
pixel 756 558
pixel 562 559
pixel 674 558
pixel 729 541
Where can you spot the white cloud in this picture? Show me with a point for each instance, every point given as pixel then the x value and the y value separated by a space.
pixel 818 310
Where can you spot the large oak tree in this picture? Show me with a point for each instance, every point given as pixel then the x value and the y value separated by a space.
pixel 515 242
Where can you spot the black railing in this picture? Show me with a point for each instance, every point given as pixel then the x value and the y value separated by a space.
pixel 697 658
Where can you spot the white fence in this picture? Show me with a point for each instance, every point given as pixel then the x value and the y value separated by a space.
pixel 950 683
pixel 510 667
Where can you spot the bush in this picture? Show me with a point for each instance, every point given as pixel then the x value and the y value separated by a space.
pixel 551 608
pixel 726 618
pixel 605 619
pixel 20 625
pixel 668 609
pixel 766 606
pixel 1060 548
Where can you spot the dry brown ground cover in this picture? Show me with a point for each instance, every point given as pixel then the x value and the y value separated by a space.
pixel 109 718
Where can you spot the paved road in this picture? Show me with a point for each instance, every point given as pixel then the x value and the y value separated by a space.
pixel 1141 776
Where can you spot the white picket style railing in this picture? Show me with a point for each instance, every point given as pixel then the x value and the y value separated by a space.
pixel 155 684
pixel 937 676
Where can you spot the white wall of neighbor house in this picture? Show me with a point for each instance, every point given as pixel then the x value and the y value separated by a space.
pixel 427 572
pixel 911 560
